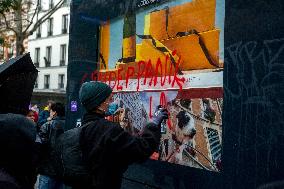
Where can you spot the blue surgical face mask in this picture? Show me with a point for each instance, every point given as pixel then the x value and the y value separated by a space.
pixel 112 108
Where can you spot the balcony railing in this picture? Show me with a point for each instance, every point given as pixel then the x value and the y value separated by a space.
pixel 64 30
pixel 47 64
pixel 46 85
pixel 66 2
pixel 38 35
pixel 51 5
pixel 36 64
pixel 49 33
pixel 62 63
pixel 60 85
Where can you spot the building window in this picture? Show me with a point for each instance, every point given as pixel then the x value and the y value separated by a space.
pixel 64 23
pixel 50 27
pixel 208 112
pixel 47 59
pixel 214 143
pixel 62 55
pixel 51 5
pixel 1 50
pixel 46 81
pixel 61 78
pixel 36 83
pixel 39 5
pixel 65 2
pixel 38 32
pixel 37 57
pixel 11 50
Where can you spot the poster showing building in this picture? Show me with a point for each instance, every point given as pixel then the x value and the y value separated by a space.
pixel 169 54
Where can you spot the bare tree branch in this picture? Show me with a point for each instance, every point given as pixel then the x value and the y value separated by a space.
pixel 2 32
pixel 26 21
pixel 46 16
pixel 8 27
pixel 36 11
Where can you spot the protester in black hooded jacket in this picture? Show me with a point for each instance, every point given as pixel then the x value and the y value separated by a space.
pixel 49 132
pixel 17 159
pixel 106 147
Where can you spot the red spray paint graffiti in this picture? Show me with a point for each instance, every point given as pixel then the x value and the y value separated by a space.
pixel 143 72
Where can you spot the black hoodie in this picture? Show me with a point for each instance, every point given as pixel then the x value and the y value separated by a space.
pixel 108 150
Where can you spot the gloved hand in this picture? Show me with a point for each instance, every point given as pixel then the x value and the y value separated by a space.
pixel 160 115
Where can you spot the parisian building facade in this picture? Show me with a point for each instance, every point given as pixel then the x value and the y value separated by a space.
pixel 48 47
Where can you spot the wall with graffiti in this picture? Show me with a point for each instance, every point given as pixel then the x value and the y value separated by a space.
pixel 169 54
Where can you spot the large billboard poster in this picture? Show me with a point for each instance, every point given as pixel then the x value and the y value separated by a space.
pixel 169 54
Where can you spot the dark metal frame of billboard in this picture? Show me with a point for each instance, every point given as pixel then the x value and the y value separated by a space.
pixel 253 125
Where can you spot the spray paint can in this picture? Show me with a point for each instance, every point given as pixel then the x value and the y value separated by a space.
pixel 164 127
pixel 163 124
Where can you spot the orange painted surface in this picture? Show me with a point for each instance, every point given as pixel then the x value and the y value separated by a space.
pixel 191 53
pixel 150 52
pixel 158 25
pixel 198 15
pixel 188 51
pixel 104 43
pixel 129 47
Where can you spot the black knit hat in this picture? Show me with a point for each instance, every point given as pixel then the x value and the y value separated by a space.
pixel 93 93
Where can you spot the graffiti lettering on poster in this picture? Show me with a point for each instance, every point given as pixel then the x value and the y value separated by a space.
pixel 145 74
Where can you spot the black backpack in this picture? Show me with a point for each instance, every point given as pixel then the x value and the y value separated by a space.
pixel 71 167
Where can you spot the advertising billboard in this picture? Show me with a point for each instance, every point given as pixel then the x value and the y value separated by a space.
pixel 169 54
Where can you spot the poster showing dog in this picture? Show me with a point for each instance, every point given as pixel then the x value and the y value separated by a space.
pixel 193 133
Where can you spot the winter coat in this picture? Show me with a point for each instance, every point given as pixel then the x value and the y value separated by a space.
pixel 108 150
pixel 43 115
pixel 48 133
pixel 17 144
pixel 7 181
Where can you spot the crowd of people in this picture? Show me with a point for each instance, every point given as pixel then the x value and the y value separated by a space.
pixel 29 144
pixel 49 124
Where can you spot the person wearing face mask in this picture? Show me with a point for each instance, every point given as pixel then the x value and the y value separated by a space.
pixel 112 109
pixel 106 148
pixel 49 132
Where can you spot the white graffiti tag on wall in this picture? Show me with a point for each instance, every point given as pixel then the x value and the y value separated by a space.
pixel 146 2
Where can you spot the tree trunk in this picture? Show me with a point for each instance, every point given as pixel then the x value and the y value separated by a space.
pixel 20 44
pixel 19 30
